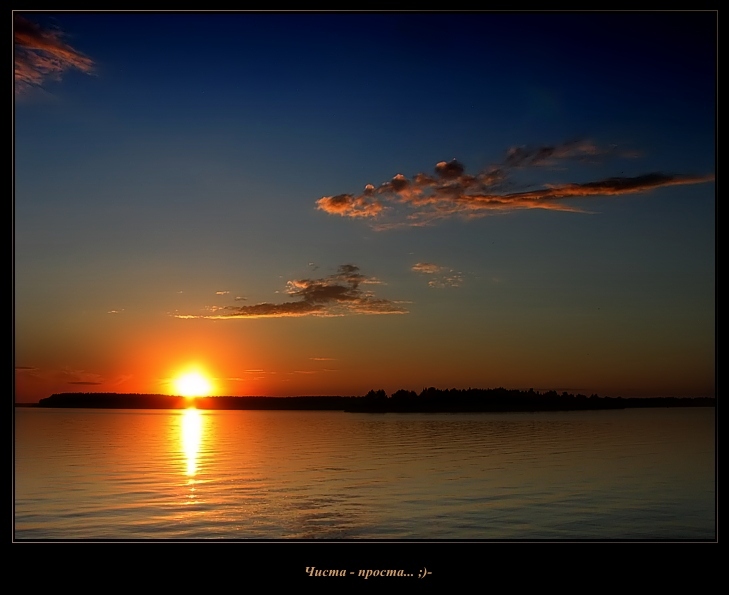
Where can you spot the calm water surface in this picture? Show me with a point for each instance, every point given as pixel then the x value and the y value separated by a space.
pixel 133 474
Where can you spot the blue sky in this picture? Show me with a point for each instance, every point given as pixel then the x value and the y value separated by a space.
pixel 191 189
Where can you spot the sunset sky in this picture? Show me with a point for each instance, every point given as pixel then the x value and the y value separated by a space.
pixel 328 203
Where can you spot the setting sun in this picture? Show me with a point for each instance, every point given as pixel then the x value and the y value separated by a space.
pixel 193 384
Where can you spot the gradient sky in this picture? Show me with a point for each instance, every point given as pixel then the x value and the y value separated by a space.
pixel 328 203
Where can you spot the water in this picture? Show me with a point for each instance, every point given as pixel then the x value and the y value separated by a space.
pixel 132 474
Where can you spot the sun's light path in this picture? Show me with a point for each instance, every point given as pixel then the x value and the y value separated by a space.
pixel 191 437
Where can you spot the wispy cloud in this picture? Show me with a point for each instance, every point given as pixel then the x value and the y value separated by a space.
pixel 451 280
pixel 29 372
pixel 82 377
pixel 42 54
pixel 427 268
pixel 121 379
pixel 450 191
pixel 222 292
pixel 441 276
pixel 336 295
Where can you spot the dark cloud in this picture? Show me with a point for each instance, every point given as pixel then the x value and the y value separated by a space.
pixel 450 170
pixel 335 295
pixel 550 155
pixel 426 198
pixel 41 54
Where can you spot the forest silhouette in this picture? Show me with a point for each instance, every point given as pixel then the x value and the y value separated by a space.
pixel 378 401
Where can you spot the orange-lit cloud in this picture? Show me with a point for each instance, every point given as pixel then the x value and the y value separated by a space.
pixel 441 276
pixel 452 280
pixel 41 54
pixel 348 205
pixel 449 191
pixel 427 268
pixel 335 295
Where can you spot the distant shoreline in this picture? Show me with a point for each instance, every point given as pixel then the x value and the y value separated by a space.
pixel 430 400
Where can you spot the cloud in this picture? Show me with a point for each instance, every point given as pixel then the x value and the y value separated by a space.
pixel 322 359
pixel 427 268
pixel 454 280
pixel 551 155
pixel 450 191
pixel 348 205
pixel 336 295
pixel 41 54
pixel 222 292
pixel 121 379
pixel 82 377
pixel 442 276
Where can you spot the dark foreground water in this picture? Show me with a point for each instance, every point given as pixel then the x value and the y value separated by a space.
pixel 144 474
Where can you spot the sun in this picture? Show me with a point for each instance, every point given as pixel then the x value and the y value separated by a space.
pixel 193 384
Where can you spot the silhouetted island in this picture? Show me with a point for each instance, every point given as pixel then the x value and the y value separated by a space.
pixel 431 400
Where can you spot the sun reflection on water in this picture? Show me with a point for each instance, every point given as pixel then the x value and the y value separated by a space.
pixel 191 438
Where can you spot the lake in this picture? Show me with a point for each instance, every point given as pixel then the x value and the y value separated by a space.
pixel 637 474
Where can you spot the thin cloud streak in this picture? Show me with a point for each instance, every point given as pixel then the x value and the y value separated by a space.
pixel 336 295
pixel 450 191
pixel 442 276
pixel 41 54
pixel 454 280
pixel 427 268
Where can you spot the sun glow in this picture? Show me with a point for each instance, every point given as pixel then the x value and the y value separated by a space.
pixel 193 384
